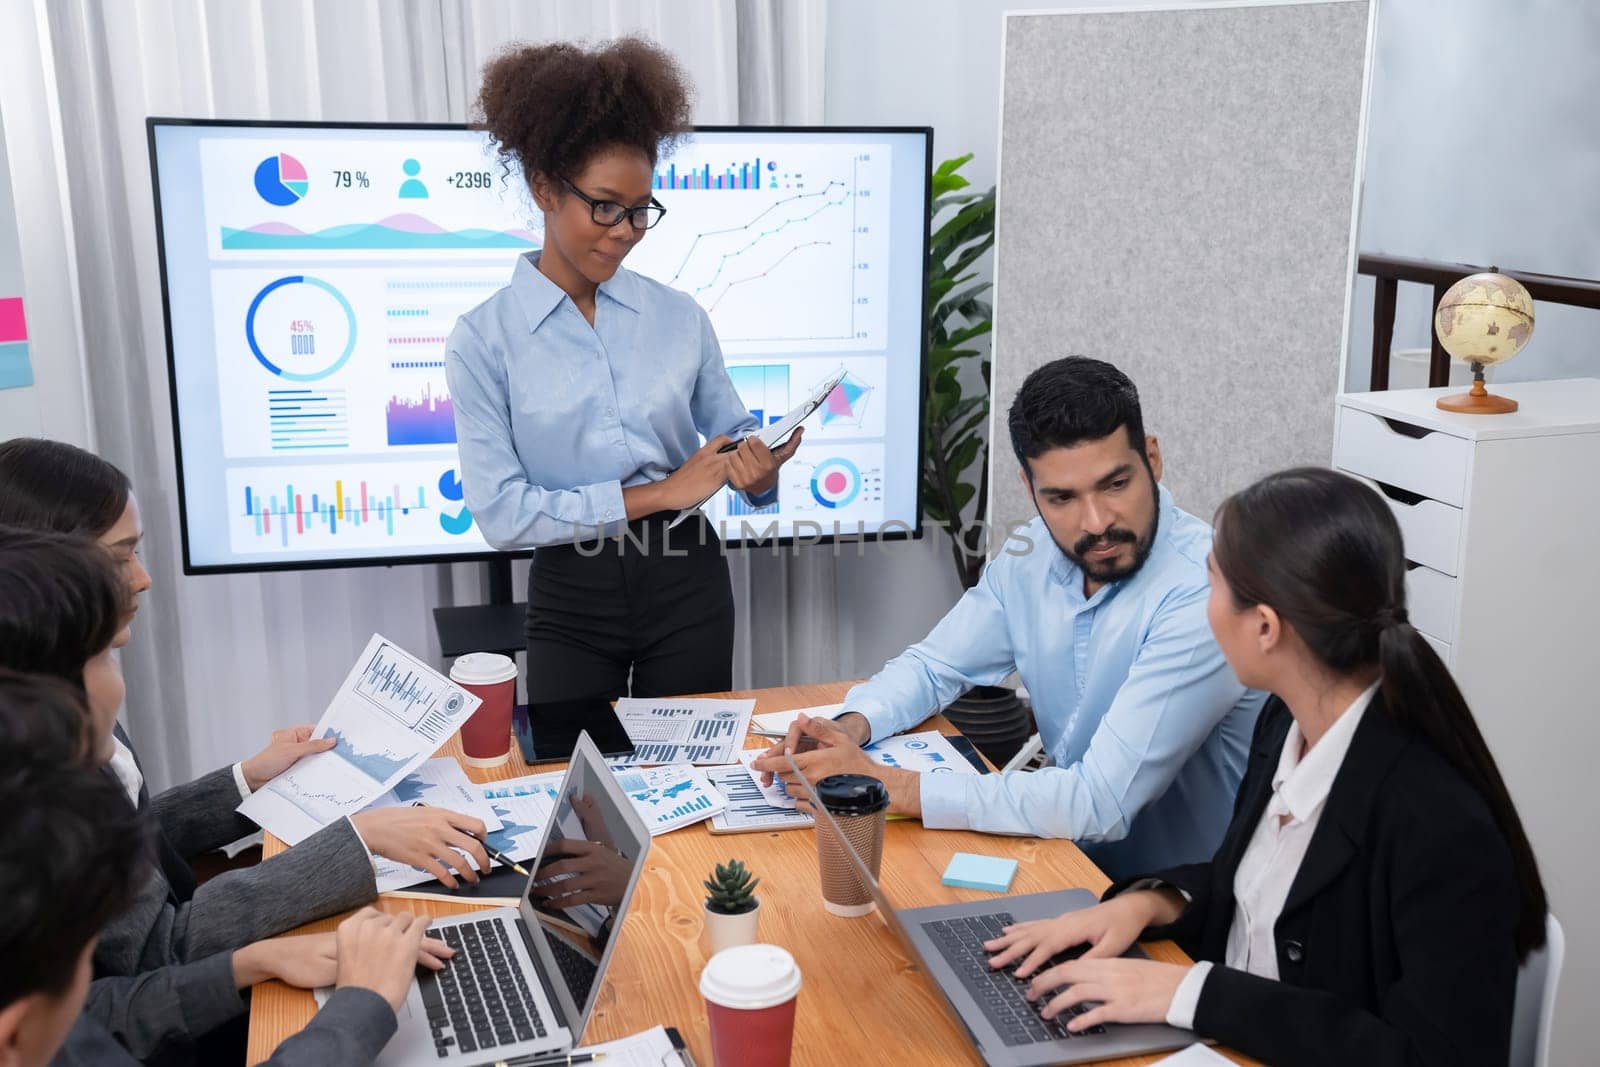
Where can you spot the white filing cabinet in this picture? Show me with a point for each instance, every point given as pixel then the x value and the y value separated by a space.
pixel 1501 517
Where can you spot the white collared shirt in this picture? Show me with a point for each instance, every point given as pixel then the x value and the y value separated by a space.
pixel 126 768
pixel 1271 861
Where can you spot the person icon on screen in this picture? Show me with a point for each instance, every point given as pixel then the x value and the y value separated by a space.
pixel 412 188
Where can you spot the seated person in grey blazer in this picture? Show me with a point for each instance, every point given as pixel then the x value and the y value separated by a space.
pixel 73 853
pixel 51 486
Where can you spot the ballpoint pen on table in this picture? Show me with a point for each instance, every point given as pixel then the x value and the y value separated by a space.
pixel 494 855
pixel 558 1060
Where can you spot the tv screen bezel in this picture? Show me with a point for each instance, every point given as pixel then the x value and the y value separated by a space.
pixel 153 122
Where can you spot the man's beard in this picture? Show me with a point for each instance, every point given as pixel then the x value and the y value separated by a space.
pixel 1107 571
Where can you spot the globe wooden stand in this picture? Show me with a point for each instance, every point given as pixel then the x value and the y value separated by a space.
pixel 1479 401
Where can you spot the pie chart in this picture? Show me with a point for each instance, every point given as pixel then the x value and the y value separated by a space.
pixel 281 179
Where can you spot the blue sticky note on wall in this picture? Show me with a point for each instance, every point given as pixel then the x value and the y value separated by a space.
pixel 970 871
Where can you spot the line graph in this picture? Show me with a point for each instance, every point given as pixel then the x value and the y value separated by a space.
pixel 378 765
pixel 803 262
pixel 757 239
pixel 765 273
pixel 322 803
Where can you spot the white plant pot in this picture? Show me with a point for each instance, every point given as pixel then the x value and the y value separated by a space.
pixel 726 931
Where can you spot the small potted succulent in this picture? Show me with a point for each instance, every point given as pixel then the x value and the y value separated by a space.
pixel 732 910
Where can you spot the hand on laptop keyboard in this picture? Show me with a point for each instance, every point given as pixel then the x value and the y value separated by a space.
pixel 1106 991
pixel 1000 995
pixel 379 952
pixel 1103 930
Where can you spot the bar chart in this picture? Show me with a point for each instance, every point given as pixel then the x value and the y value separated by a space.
pixel 358 505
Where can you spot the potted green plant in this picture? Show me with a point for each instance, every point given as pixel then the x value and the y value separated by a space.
pixel 955 422
pixel 733 912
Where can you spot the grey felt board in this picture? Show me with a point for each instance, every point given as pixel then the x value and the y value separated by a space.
pixel 1175 197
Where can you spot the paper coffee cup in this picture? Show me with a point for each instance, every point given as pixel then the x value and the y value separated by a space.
pixel 492 678
pixel 859 805
pixel 750 993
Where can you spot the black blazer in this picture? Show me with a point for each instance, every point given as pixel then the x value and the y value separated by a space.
pixel 1395 945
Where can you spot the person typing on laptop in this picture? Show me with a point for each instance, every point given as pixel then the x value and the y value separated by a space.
pixel 1099 604
pixel 1375 892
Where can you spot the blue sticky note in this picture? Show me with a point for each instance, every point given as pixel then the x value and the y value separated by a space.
pixel 969 871
pixel 15 372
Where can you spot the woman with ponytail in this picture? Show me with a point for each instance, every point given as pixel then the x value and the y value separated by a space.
pixel 1375 892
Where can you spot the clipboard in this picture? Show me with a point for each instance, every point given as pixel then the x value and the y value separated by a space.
pixel 773 435
pixel 778 431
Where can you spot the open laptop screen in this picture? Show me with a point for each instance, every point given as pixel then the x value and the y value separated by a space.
pixel 593 850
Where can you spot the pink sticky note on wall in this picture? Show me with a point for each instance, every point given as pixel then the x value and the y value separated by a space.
pixel 12 325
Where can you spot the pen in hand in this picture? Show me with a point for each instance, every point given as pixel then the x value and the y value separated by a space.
pixel 494 854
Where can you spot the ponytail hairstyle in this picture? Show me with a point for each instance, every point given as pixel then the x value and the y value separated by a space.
pixel 1324 551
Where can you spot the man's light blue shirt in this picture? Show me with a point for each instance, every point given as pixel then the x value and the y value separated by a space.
pixel 1147 727
pixel 554 417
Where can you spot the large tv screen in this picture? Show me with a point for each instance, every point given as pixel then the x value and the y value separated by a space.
pixel 311 273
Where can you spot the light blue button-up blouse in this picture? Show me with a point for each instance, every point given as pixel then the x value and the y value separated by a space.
pixel 554 418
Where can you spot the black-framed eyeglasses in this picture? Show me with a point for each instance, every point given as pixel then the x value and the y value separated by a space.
pixel 608 213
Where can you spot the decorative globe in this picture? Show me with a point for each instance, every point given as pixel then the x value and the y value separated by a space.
pixel 1484 318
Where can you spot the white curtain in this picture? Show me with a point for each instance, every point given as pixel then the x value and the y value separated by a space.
pixel 219 661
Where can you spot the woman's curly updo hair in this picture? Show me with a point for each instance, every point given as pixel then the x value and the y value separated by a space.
pixel 551 107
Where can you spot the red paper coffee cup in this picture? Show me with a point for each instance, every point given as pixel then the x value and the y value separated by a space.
pixel 750 993
pixel 492 678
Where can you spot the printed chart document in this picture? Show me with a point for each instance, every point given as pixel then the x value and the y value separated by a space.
pixel 523 807
pixel 677 730
pixel 748 809
pixel 438 783
pixel 669 797
pixel 392 713
pixel 928 752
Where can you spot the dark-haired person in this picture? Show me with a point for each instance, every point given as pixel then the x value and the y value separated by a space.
pixel 1100 606
pixel 1375 891
pixel 72 859
pixel 582 392
pixel 50 485
pixel 61 604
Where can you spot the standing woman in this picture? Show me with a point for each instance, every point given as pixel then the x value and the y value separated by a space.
pixel 582 391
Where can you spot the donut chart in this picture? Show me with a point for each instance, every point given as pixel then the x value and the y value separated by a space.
pixel 286 321
pixel 835 483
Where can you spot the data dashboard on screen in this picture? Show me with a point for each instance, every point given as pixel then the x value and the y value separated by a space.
pixel 312 274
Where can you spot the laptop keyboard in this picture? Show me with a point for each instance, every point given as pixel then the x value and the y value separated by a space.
pixel 481 999
pixel 1001 996
pixel 576 968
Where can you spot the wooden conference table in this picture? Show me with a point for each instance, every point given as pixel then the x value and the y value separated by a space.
pixel 863 1000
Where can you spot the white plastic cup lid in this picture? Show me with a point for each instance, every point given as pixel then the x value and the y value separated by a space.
pixel 750 977
pixel 483 668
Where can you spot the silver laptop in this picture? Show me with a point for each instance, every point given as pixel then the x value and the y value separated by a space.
pixel 524 980
pixel 1007 1030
